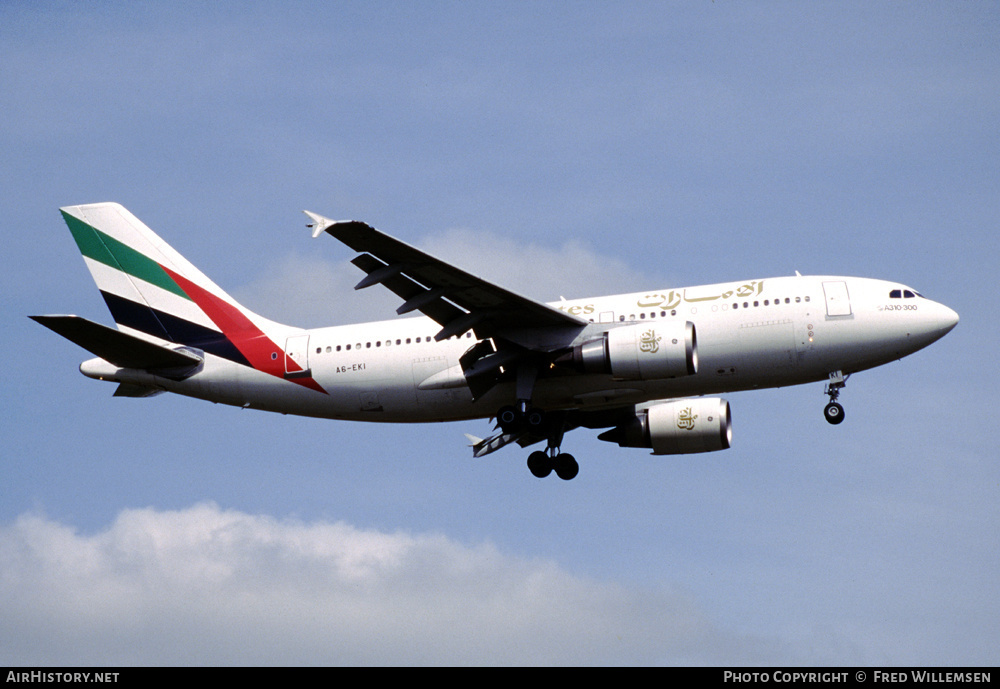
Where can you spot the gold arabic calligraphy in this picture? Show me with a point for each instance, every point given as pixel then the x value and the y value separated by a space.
pixel 649 342
pixel 673 298
pixel 685 420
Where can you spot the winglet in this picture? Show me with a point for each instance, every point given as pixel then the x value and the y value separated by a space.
pixel 319 223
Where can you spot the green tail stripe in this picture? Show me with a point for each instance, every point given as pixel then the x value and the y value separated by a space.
pixel 100 247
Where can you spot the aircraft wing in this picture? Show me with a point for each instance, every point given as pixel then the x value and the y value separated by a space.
pixel 455 299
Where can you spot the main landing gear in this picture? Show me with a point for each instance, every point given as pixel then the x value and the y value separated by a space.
pixel 834 412
pixel 541 463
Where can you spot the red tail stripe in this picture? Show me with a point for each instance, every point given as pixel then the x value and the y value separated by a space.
pixel 260 350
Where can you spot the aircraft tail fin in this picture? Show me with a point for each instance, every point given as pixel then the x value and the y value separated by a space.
pixel 155 294
pixel 149 288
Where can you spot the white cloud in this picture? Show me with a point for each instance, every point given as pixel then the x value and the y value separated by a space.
pixel 205 585
pixel 572 270
pixel 310 292
pixel 313 291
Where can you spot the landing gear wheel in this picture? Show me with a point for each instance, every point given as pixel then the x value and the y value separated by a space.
pixel 508 419
pixel 834 413
pixel 535 418
pixel 511 419
pixel 539 464
pixel 566 467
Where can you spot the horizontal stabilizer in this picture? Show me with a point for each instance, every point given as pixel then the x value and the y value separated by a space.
pixel 118 348
pixel 129 390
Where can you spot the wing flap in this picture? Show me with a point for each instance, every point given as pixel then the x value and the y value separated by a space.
pixel 431 303
pixel 481 447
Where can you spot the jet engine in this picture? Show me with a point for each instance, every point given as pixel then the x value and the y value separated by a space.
pixel 648 351
pixel 677 427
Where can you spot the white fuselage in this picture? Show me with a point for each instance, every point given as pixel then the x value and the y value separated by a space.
pixel 756 334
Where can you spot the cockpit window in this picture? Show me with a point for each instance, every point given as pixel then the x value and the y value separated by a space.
pixel 904 294
pixel 895 294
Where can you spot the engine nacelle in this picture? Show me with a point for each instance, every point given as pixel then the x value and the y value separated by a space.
pixel 678 427
pixel 648 351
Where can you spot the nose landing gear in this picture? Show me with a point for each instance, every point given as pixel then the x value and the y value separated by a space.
pixel 834 412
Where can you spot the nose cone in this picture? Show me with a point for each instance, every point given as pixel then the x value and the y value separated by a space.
pixel 949 319
pixel 937 322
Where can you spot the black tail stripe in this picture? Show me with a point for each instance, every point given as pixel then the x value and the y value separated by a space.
pixel 171 328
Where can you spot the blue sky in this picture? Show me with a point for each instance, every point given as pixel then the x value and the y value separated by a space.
pixel 559 149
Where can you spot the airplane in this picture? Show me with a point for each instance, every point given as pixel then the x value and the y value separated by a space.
pixel 646 366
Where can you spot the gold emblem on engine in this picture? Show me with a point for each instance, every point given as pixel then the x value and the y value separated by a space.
pixel 649 342
pixel 685 420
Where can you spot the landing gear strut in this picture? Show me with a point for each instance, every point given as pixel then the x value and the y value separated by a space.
pixel 525 418
pixel 541 463
pixel 522 417
pixel 834 412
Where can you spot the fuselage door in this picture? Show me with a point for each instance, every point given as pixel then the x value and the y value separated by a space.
pixel 838 302
pixel 297 356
